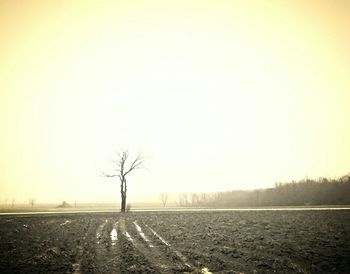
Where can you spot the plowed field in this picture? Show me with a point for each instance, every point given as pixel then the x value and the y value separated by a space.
pixel 177 242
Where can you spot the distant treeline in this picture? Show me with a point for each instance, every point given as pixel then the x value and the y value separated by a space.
pixel 305 192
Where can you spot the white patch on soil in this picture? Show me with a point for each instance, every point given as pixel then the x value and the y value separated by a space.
pixel 76 268
pixel 205 271
pixel 158 236
pixel 98 235
pixel 114 236
pixel 66 222
pixel 297 267
pixel 128 236
pixel 143 236
pixel 99 231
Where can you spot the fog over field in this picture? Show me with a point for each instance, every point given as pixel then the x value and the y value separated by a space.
pixel 175 136
pixel 215 95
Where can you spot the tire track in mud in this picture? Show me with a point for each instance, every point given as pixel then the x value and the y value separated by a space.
pixel 176 255
pixel 107 252
pixel 176 252
pixel 93 255
pixel 142 245
pixel 122 245
pixel 158 252
pixel 132 259
pixel 81 247
pixel 115 250
pixel 104 248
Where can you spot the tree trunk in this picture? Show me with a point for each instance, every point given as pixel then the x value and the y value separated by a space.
pixel 123 195
pixel 123 205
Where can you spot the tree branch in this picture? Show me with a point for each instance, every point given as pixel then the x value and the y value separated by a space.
pixel 108 175
pixel 135 164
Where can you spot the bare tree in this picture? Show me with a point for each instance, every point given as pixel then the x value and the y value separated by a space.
pixel 122 170
pixel 183 199
pixel 164 198
pixel 194 199
pixel 31 202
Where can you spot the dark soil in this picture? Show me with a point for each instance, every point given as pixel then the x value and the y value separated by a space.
pixel 177 242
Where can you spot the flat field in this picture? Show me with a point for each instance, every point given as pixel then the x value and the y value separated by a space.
pixel 282 241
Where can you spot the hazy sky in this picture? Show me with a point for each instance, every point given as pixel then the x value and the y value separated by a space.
pixel 217 95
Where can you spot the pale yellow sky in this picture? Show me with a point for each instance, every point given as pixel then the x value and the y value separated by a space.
pixel 217 95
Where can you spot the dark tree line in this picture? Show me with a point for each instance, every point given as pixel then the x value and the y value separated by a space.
pixel 305 192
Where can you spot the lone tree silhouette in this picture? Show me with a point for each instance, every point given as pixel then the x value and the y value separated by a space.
pixel 122 170
pixel 164 198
